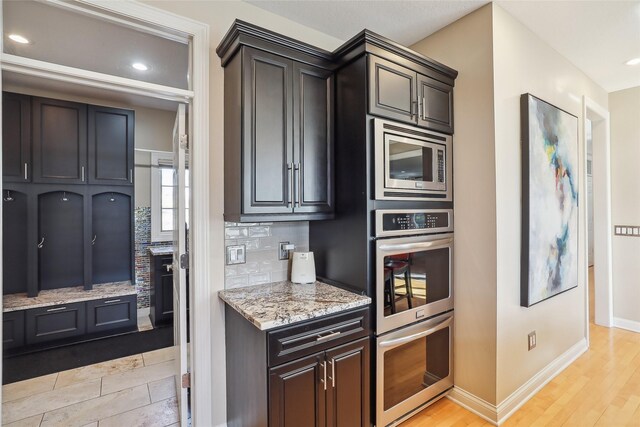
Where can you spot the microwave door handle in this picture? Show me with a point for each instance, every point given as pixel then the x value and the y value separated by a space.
pixel 398 341
pixel 419 245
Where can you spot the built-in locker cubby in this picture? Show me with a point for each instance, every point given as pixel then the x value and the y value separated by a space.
pixel 14 241
pixel 111 237
pixel 60 239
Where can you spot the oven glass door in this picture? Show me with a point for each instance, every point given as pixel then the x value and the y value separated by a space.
pixel 414 365
pixel 414 279
pixel 412 164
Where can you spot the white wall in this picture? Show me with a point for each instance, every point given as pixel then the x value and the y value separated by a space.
pixel 624 107
pixel 466 45
pixel 220 16
pixel 524 63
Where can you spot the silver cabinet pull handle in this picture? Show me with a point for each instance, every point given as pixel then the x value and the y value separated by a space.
pixel 93 241
pixel 328 336
pixel 82 171
pixel 56 309
pixel 26 176
pixel 111 301
pixel 298 188
pixel 41 244
pixel 290 170
pixel 333 372
pixel 324 374
pixel 418 245
pixel 131 175
pixel 169 267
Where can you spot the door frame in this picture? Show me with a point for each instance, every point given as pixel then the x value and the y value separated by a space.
pixel 602 228
pixel 159 22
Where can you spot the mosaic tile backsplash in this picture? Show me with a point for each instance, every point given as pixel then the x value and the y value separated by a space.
pixel 142 244
pixel 262 242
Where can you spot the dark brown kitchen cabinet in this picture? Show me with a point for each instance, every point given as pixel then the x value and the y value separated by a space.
pixel 16 137
pixel 59 131
pixel 311 373
pixel 402 94
pixel 161 292
pixel 278 137
pixel 297 393
pixel 111 133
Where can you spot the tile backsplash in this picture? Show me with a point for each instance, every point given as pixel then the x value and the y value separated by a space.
pixel 262 242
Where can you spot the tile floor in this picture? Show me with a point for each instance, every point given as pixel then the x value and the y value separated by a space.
pixel 132 391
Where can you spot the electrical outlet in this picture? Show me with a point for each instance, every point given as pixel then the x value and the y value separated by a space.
pixel 285 248
pixel 236 254
pixel 532 340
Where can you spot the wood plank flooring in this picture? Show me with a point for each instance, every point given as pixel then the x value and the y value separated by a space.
pixel 601 389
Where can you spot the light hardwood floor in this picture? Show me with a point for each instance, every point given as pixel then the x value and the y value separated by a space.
pixel 133 391
pixel 601 388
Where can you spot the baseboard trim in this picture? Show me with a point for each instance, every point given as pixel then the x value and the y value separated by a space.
pixel 629 325
pixel 498 414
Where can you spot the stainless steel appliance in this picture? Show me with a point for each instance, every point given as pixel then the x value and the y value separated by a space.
pixel 411 163
pixel 414 365
pixel 413 272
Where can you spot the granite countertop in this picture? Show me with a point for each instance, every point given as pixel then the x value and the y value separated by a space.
pixel 161 250
pixel 283 303
pixel 15 302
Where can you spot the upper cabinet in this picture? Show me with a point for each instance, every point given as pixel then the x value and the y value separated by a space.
pixel 399 93
pixel 16 138
pixel 110 146
pixel 59 141
pixel 278 134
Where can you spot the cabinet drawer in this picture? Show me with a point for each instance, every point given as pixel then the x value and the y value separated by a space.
pixel 111 314
pixel 13 329
pixel 300 340
pixel 56 322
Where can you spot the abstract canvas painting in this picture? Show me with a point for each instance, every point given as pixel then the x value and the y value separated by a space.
pixel 549 259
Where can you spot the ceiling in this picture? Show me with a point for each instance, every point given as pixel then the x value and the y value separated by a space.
pixel 64 37
pixel 597 36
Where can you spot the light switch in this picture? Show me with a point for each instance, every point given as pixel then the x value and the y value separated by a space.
pixel 236 254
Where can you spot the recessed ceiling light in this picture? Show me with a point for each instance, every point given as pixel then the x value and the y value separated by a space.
pixel 19 39
pixel 139 66
pixel 634 61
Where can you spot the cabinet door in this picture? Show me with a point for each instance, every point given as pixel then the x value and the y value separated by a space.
pixel 55 322
pixel 61 238
pixel 111 242
pixel 436 104
pixel 111 314
pixel 13 329
pixel 14 241
pixel 348 385
pixel 313 139
pixel 392 90
pixel 297 393
pixel 16 137
pixel 267 151
pixel 111 133
pixel 162 290
pixel 59 141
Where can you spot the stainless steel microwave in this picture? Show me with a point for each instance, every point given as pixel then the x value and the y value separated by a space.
pixel 411 163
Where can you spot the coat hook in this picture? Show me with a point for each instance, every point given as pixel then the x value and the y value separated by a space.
pixel 64 197
pixel 8 198
pixel 41 244
pixel 93 241
pixel 112 198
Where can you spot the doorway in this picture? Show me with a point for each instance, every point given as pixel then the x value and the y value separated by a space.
pixel 597 177
pixel 88 83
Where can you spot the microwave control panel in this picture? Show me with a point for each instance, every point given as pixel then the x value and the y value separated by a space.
pixel 413 222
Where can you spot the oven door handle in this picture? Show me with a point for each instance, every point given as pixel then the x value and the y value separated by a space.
pixel 418 245
pixel 398 341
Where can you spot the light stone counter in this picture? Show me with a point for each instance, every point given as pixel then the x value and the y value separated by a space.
pixel 15 302
pixel 161 250
pixel 283 303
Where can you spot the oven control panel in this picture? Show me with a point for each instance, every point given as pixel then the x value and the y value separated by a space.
pixel 407 222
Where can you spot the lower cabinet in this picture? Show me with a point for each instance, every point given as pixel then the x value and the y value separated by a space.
pixel 54 323
pixel 112 314
pixel 13 329
pixel 314 373
pixel 161 292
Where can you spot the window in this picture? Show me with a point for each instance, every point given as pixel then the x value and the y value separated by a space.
pixel 162 191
